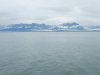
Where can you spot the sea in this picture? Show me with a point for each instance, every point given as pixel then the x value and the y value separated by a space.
pixel 49 53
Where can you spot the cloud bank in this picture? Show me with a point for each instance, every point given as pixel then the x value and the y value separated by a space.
pixel 52 12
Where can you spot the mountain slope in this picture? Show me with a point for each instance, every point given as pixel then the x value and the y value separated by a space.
pixel 42 27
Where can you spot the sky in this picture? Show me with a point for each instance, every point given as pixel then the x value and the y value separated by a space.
pixel 50 12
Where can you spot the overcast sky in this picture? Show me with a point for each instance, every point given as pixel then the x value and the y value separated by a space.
pixel 51 12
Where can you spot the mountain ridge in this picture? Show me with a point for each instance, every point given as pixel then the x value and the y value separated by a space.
pixel 35 27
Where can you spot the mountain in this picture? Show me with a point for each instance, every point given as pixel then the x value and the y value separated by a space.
pixel 26 27
pixel 2 26
pixel 93 28
pixel 70 24
pixel 42 27
pixel 69 27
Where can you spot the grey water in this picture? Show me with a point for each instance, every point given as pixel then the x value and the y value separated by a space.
pixel 49 53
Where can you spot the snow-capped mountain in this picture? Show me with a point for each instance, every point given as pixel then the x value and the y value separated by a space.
pixel 42 27
pixel 26 27
pixel 69 27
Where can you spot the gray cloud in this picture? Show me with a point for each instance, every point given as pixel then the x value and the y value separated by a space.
pixel 84 12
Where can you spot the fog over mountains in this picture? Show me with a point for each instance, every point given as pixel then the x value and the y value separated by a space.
pixel 34 27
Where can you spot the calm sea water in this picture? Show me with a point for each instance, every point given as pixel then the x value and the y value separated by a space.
pixel 49 53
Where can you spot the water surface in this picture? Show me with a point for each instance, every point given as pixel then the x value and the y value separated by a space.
pixel 49 53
